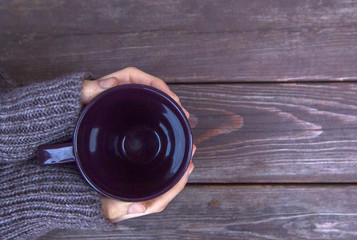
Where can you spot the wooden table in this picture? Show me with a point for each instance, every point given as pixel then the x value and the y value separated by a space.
pixel 270 86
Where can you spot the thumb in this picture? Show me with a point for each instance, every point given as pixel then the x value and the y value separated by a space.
pixel 135 208
pixel 107 83
pixel 118 210
pixel 90 89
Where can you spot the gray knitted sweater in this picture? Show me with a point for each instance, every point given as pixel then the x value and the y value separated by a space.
pixel 35 199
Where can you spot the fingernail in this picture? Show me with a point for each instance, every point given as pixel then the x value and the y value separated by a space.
pixel 194 150
pixel 186 111
pixel 174 94
pixel 136 208
pixel 106 83
pixel 190 170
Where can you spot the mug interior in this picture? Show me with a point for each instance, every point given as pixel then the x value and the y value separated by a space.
pixel 132 143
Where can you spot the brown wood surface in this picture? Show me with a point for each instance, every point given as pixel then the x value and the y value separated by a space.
pixel 199 16
pixel 182 41
pixel 254 128
pixel 273 132
pixel 238 212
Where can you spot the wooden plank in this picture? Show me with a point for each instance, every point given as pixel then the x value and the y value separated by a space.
pixel 234 41
pixel 184 57
pixel 96 16
pixel 273 132
pixel 237 212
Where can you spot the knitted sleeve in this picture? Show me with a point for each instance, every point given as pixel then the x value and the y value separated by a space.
pixel 37 114
pixel 35 199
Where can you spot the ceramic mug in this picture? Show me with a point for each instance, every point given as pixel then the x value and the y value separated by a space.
pixel 131 143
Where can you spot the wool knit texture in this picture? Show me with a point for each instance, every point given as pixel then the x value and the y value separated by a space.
pixel 36 199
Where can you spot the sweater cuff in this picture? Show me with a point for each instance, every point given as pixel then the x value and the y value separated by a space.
pixel 38 114
pixel 37 199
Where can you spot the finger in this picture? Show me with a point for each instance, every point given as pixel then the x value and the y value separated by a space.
pixel 158 204
pixel 194 148
pixel 177 99
pixel 120 210
pixel 107 83
pixel 90 89
pixel 114 208
pixel 132 75
pixel 187 114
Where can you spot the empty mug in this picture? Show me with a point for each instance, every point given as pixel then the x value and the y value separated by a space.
pixel 131 143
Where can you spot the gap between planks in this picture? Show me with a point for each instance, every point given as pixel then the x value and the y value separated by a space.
pixel 247 82
pixel 273 184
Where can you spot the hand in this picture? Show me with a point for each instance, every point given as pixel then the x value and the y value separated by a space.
pixel 118 210
pixel 130 75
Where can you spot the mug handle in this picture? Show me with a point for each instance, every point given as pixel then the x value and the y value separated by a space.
pixel 56 153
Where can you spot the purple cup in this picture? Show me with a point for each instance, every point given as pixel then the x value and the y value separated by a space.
pixel 131 143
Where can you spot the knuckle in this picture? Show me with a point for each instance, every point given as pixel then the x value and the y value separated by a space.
pixel 110 213
pixel 160 210
pixel 131 69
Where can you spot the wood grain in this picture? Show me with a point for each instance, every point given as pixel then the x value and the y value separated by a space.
pixel 182 41
pixel 238 212
pixel 246 133
pixel 195 16
pixel 273 132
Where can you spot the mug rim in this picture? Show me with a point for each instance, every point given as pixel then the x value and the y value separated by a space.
pixel 181 116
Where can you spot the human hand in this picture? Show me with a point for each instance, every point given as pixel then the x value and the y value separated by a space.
pixel 130 75
pixel 118 210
